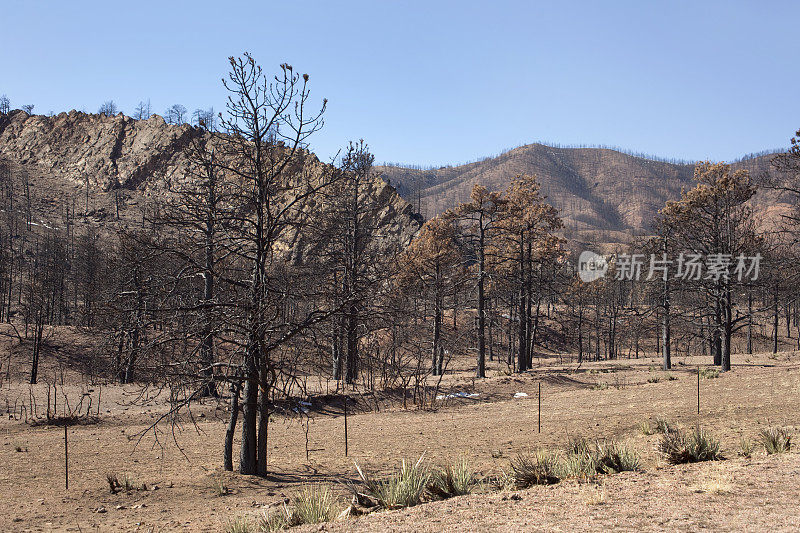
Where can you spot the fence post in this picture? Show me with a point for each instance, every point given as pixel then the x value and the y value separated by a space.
pixel 698 390
pixel 540 407
pixel 66 459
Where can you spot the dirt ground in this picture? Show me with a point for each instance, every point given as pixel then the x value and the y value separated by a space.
pixel 181 469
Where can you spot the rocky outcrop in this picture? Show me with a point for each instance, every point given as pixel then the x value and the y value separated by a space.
pixel 110 152
pixel 125 162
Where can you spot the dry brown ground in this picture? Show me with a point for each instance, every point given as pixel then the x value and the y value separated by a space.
pixel 489 429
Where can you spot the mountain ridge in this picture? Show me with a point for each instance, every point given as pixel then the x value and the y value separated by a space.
pixel 603 194
pixel 109 169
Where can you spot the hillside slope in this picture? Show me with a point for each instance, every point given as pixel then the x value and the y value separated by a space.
pixel 106 169
pixel 603 195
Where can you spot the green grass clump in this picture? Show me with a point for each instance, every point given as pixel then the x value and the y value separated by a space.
pixel 662 425
pixel 584 459
pixel 242 524
pixel 456 479
pixel 275 521
pixel 709 373
pixel 537 468
pixel 613 457
pixel 776 440
pixel 311 505
pixel 220 487
pixel 680 447
pixel 579 466
pixel 404 488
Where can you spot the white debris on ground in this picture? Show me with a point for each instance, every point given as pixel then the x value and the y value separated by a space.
pixel 456 395
pixel 520 395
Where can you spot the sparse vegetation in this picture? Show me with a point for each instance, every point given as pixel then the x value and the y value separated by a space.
pixel 776 440
pixel 455 479
pixel 709 373
pixel 126 483
pixel 584 459
pixel 662 425
pixel 311 505
pixel 220 487
pixel 714 481
pixel 613 457
pixel 746 447
pixel 276 520
pixel 537 468
pixel 695 446
pixel 404 488
pixel 659 425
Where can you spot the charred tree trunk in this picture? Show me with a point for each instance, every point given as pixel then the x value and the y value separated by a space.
pixel 227 454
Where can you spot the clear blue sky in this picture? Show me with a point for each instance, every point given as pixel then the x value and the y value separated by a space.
pixel 438 82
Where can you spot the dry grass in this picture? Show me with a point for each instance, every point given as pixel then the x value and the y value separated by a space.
pixel 595 495
pixel 776 440
pixel 475 428
pixel 404 488
pixel 454 479
pixel 714 480
pixel 681 447
pixel 538 468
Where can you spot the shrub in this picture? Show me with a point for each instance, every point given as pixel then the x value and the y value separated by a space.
pixel 663 425
pixel 404 488
pixel 709 373
pixel 276 520
pixel 580 466
pixel 240 524
pixel 538 468
pixel 312 505
pixel 613 457
pixel 746 447
pixel 602 385
pixel 680 447
pixel 776 440
pixel 129 484
pixel 126 483
pixel 220 487
pixel 579 459
pixel 455 479
pixel 578 446
pixel 671 377
pixel 503 481
pixel 653 379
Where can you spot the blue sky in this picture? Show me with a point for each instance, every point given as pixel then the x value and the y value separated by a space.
pixel 438 82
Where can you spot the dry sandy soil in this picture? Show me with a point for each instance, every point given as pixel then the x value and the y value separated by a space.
pixel 607 400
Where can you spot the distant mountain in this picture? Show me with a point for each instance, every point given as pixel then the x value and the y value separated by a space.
pixel 604 195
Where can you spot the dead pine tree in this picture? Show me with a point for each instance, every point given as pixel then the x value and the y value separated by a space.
pixel 479 217
pixel 262 143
